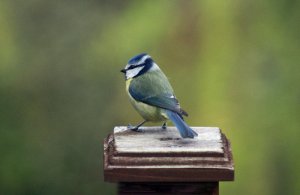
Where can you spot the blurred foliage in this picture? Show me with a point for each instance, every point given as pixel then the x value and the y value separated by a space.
pixel 61 91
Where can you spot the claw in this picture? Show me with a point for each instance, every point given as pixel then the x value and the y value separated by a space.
pixel 136 128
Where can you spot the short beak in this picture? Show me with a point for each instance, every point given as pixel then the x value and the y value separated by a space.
pixel 123 70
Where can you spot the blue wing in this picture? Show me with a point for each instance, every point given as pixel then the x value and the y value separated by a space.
pixel 153 88
pixel 165 100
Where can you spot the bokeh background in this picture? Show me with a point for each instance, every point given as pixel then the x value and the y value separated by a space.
pixel 233 64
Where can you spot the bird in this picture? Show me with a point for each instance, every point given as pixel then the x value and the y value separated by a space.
pixel 152 95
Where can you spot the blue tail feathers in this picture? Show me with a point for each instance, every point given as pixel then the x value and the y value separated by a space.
pixel 184 130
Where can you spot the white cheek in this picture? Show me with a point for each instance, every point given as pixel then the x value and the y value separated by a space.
pixel 133 72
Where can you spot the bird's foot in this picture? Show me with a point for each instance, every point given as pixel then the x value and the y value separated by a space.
pixel 134 128
pixel 164 126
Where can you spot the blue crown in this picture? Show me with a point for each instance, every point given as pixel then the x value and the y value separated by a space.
pixel 136 58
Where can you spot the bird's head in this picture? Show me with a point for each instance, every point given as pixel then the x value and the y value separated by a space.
pixel 138 65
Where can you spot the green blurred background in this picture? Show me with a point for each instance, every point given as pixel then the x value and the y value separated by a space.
pixel 233 64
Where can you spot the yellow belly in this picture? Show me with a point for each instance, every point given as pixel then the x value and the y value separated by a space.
pixel 148 112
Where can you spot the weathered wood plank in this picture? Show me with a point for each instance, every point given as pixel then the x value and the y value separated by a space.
pixel 157 140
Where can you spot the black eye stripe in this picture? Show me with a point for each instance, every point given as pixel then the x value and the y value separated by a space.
pixel 134 66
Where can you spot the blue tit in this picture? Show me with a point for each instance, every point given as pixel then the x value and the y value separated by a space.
pixel 152 96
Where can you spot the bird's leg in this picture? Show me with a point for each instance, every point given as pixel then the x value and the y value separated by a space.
pixel 136 128
pixel 164 126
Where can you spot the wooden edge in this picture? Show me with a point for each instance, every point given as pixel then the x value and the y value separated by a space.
pixel 169 175
pixel 229 153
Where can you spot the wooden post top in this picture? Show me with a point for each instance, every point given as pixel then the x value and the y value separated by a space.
pixel 157 155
